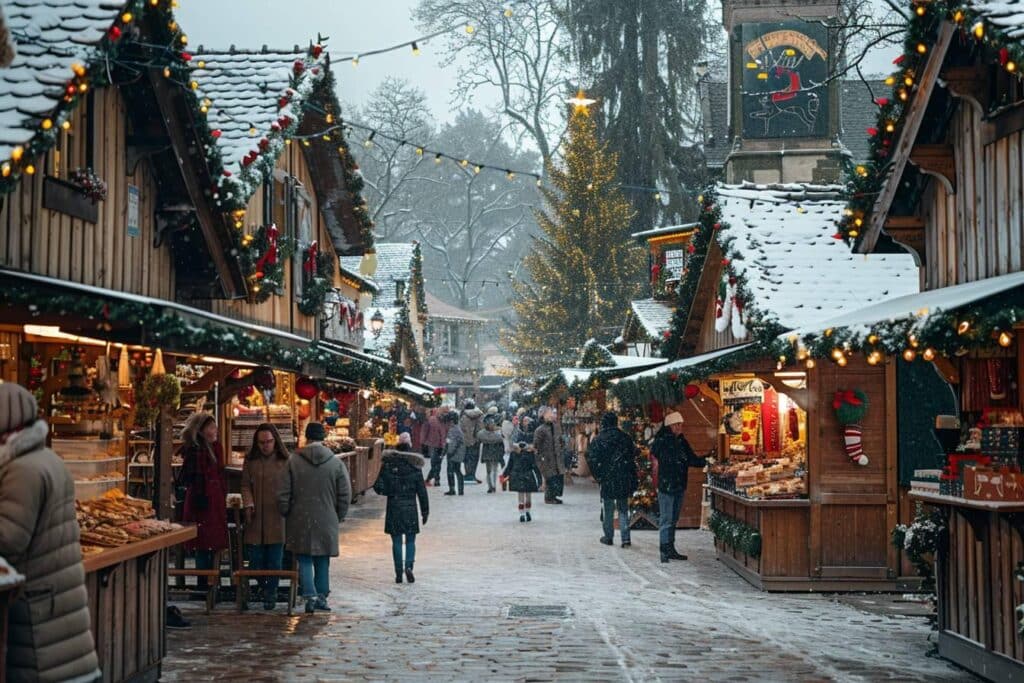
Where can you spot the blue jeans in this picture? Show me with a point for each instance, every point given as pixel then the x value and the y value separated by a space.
pixel 610 505
pixel 396 551
pixel 313 576
pixel 267 556
pixel 668 512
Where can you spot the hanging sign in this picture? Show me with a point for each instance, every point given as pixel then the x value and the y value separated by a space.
pixel 133 211
pixel 742 390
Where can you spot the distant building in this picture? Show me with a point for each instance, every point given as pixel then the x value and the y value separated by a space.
pixel 454 357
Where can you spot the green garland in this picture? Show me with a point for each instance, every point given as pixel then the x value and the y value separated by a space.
pixel 157 392
pixel 864 182
pixel 317 286
pixel 921 541
pixel 735 534
pixel 595 355
pixel 263 281
pixel 417 277
pixel 166 329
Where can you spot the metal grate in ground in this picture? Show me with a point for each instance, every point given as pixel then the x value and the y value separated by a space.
pixel 538 612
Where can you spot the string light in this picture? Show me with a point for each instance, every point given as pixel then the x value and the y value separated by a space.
pixel 415 49
pixel 470 29
pixel 47 124
pixel 929 354
pixel 369 140
pixel 909 355
pixel 1005 339
pixel 355 61
pixel 978 30
pixel 437 158
pixel 66 125
pixel 510 175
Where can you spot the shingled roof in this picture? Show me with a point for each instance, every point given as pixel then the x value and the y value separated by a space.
pixel 858 113
pixel 780 244
pixel 394 263
pixel 655 317
pixel 717 141
pixel 49 36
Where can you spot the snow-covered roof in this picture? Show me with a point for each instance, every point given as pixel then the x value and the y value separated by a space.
pixel 244 88
pixel 662 232
pixel 623 365
pixel 780 244
pixel 633 362
pixel 49 36
pixel 682 363
pixel 416 388
pixel 440 310
pixel 367 284
pixel 922 305
pixel 394 263
pixel 1006 15
pixel 653 315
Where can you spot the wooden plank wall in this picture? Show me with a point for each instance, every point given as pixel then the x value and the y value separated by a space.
pixel 978 232
pixel 281 312
pixel 57 245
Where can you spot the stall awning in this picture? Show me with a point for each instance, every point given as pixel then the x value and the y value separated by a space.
pixel 690 364
pixel 416 388
pixel 665 383
pixel 919 306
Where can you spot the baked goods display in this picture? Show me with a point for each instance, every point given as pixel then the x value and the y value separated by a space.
pixel 115 519
pixel 764 477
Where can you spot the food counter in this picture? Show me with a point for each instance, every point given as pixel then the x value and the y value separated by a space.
pixel 979 586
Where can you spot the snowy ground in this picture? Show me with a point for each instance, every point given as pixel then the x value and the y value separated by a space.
pixel 631 617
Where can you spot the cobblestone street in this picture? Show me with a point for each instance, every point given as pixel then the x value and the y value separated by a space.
pixel 630 618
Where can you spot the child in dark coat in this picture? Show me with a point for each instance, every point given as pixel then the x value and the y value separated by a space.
pixel 524 477
pixel 401 480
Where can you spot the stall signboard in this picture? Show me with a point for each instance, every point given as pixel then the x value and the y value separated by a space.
pixel 742 390
pixel 785 79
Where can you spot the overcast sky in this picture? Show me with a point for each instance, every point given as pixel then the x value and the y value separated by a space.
pixel 352 25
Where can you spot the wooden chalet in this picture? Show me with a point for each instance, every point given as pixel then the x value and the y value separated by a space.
pixel 945 183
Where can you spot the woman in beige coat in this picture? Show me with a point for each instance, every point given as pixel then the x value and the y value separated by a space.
pixel 49 637
pixel 265 464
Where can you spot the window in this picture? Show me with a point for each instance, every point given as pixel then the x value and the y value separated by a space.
pixel 73 148
pixel 675 262
pixel 302 220
pixel 449 339
pixel 399 292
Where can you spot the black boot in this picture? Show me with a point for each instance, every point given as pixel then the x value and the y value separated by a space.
pixel 674 554
pixel 408 575
pixel 398 576
pixel 450 492
pixel 665 555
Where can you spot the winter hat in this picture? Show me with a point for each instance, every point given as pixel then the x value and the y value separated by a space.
pixel 469 404
pixel 673 418
pixel 315 432
pixel 609 420
pixel 404 439
pixel 18 407
pixel 493 410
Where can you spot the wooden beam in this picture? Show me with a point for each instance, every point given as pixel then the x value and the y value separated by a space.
pixel 196 175
pixel 936 161
pixel 969 83
pixel 907 137
pixel 908 231
pixel 707 283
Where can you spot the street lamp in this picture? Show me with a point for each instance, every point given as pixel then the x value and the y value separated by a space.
pixel 376 323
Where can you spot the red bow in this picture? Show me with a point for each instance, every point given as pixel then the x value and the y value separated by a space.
pixel 311 256
pixel 270 257
pixel 842 397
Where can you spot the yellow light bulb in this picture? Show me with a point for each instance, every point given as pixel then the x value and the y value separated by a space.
pixel 903 95
pixel 874 358
pixel 1005 339
pixel 5 170
pixel 810 363
pixel 477 169
pixel 17 153
pixel 464 163
pixel 154 3
pixel 470 28
pixel 964 327
pixel 252 131
pixel 859 222
pixel 183 39
pixel 194 85
pixel 30 169
pixel 83 87
pixel 355 61
pixel 908 81
pixel 172 25
pixel 126 17
pixel 920 10
pixel 891 80
pixel 958 16
pixel 508 13
pixel 862 170
pixel 1011 66
pixel 978 30
pixel 890 127
pixel 201 63
pixel 78 69
pixel 510 175
pixel 837 353
pixel 167 72
pixel 47 124
pixel 853 233
pixel 437 158
pixel 909 355
pixel 419 151
pixel 922 48
pixel 841 362
pixel 66 125
pixel 873 339
pixel 305 143
pixel 929 354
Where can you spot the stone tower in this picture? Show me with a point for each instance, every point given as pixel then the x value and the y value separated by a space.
pixel 783 109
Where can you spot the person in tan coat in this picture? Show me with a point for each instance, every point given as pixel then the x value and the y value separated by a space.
pixel 49 637
pixel 547 444
pixel 265 464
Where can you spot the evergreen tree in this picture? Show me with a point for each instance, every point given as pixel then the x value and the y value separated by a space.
pixel 584 269
pixel 641 58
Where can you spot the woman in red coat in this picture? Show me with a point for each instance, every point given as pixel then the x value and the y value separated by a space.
pixel 202 475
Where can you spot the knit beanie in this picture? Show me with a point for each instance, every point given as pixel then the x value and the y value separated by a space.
pixel 315 432
pixel 404 439
pixel 17 407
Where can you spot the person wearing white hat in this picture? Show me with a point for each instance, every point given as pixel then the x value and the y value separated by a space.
pixel 49 637
pixel 675 457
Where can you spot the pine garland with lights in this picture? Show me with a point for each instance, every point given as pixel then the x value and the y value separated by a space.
pixel 864 182
pixel 262 255
pixel 645 498
pixel 584 269
pixel 317 280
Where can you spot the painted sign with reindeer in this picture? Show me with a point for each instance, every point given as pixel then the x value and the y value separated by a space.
pixel 785 80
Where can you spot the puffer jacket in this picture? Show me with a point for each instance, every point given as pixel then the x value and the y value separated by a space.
pixel 49 637
pixel 313 497
pixel 493 448
pixel 455 445
pixel 470 421
pixel 612 460
pixel 401 480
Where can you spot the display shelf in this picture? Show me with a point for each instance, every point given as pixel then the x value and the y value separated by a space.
pixel 956 501
pixel 761 502
pixel 130 551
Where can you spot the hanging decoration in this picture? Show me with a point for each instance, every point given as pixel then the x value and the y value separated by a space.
pixel 851 405
pixel 156 393
pixel 729 306
pixel 262 255
pixel 317 279
pixel 306 388
pixel 89 184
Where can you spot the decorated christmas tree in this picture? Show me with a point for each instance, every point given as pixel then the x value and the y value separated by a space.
pixel 583 270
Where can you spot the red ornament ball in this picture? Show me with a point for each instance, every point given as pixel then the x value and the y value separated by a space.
pixel 305 388
pixel 691 391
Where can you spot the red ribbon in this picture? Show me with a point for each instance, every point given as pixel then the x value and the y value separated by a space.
pixel 270 257
pixel 311 256
pixel 842 397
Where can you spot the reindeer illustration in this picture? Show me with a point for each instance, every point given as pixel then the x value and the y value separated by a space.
pixel 786 95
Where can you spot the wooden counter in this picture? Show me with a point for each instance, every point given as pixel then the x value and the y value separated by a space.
pixel 977 590
pixel 127 589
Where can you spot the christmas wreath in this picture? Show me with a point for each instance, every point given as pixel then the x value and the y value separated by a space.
pixel 157 392
pixel 317 279
pixel 263 255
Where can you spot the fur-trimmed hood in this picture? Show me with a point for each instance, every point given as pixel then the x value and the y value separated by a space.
pixel 412 458
pixel 29 439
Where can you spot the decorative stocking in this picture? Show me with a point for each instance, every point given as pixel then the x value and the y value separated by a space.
pixel 853 438
pixel 723 308
pixel 739 329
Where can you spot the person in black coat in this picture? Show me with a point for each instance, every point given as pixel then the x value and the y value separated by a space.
pixel 675 456
pixel 401 480
pixel 524 477
pixel 612 460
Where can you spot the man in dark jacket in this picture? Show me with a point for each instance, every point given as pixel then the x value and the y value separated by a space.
pixel 612 460
pixel 675 457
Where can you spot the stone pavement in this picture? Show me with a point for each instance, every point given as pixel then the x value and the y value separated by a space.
pixel 629 617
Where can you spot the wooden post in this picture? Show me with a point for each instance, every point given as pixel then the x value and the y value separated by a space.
pixel 162 472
